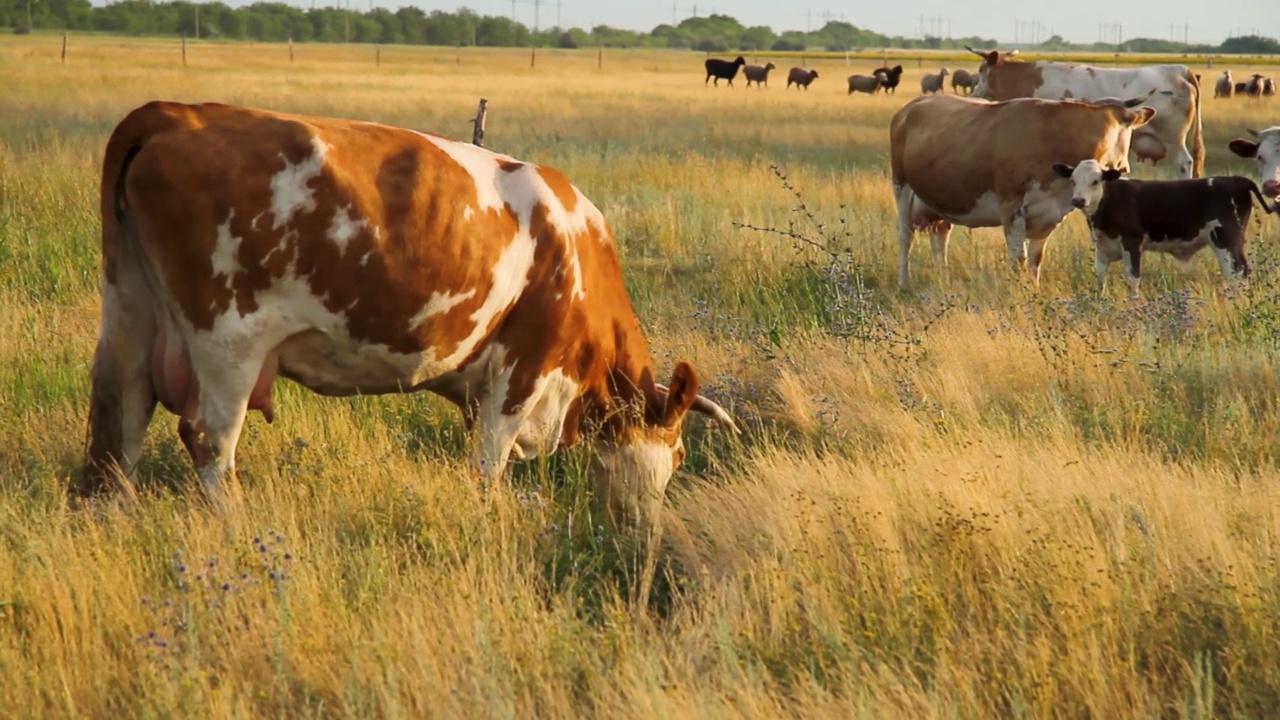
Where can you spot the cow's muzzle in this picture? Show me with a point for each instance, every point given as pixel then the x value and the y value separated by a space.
pixel 1271 188
pixel 1078 203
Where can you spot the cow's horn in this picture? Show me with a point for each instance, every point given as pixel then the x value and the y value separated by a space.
pixel 709 408
pixel 714 411
pixel 979 53
pixel 1252 132
pixel 1135 102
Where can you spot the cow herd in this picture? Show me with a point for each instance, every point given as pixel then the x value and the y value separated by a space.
pixel 987 160
pixel 242 245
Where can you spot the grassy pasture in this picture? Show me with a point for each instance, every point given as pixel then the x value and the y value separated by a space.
pixel 965 499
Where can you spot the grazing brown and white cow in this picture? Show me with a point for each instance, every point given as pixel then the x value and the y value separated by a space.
pixel 1176 217
pixel 242 245
pixel 963 161
pixel 1176 100
pixel 1266 151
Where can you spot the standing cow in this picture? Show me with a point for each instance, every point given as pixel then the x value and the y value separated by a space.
pixel 963 161
pixel 242 245
pixel 723 69
pixel 1266 151
pixel 1176 100
pixel 1224 87
pixel 1176 217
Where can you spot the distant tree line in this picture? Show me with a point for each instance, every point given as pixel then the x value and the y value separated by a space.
pixel 272 21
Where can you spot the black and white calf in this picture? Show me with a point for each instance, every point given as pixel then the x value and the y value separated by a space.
pixel 1177 217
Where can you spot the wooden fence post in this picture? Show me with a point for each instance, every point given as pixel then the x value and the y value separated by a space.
pixel 290 48
pixel 184 49
pixel 533 55
pixel 600 58
pixel 477 131
pixel 377 57
pixel 64 48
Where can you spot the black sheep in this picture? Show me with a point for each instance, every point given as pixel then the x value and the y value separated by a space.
pixel 717 68
pixel 892 75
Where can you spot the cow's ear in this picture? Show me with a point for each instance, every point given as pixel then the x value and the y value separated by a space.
pixel 1139 117
pixel 1111 175
pixel 681 394
pixel 1243 148
pixel 992 57
pixel 1063 170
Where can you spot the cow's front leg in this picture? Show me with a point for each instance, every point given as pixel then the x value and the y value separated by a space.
pixel 1038 249
pixel 939 235
pixel 1100 262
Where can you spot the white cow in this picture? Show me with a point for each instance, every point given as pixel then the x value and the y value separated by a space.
pixel 1176 99
pixel 1267 152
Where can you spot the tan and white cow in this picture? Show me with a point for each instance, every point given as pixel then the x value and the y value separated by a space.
pixel 1176 99
pixel 963 161
pixel 1266 151
pixel 242 245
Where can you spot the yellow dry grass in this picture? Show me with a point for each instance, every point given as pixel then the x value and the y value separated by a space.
pixel 963 500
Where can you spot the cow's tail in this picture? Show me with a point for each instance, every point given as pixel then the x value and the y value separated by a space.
pixel 121 283
pixel 1262 199
pixel 1197 130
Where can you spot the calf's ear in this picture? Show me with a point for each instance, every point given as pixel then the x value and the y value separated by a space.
pixel 1139 117
pixel 1111 174
pixel 1243 148
pixel 1063 169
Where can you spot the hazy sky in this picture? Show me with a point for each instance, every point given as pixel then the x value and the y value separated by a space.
pixel 1005 20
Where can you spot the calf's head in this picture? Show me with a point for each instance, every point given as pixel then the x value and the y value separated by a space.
pixel 1267 153
pixel 1088 180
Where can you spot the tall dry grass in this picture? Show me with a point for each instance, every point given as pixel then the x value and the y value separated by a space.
pixel 962 500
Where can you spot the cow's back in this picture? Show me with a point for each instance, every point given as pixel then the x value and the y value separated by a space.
pixel 377 257
pixel 951 150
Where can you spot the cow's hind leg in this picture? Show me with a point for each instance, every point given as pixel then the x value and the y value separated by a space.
pixel 122 399
pixel 214 415
pixel 1228 246
pixel 905 198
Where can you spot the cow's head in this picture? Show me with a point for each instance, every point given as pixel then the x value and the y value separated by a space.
pixel 986 78
pixel 1267 152
pixel 1088 180
pixel 632 468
